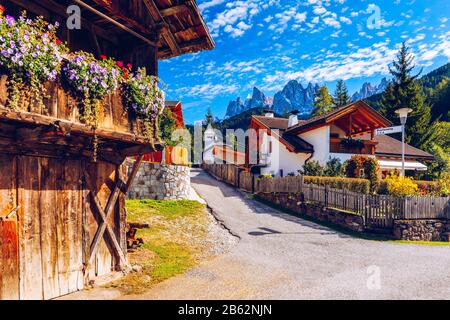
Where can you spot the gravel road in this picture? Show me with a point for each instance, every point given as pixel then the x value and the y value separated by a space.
pixel 283 257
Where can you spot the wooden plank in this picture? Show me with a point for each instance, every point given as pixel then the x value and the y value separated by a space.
pixel 9 260
pixel 48 227
pixel 70 221
pixel 29 229
pixel 9 250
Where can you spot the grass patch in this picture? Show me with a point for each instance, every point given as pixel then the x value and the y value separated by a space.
pixel 140 209
pixel 172 245
pixel 425 243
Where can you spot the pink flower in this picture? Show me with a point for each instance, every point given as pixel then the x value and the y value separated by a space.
pixel 120 64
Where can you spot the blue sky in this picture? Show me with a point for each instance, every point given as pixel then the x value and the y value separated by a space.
pixel 266 43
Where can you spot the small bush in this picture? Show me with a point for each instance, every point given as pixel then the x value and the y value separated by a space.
pixel 444 184
pixel 363 167
pixel 401 186
pixel 355 185
pixel 312 168
pixel 334 168
pixel 428 187
pixel 265 176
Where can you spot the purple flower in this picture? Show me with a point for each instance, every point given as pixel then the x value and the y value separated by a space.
pixel 10 21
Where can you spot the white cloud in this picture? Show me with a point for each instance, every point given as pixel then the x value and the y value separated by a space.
pixel 345 20
pixel 210 4
pixel 235 19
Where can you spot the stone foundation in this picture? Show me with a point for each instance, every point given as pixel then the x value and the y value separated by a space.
pixel 293 202
pixel 161 182
pixel 422 230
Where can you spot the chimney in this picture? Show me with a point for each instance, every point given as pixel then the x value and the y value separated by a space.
pixel 293 119
pixel 268 113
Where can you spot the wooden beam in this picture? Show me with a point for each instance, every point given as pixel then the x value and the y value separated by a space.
pixel 174 10
pixel 133 173
pixel 49 5
pixel 35 119
pixel 117 13
pixel 166 33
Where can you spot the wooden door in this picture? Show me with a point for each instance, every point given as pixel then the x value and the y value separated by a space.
pixel 50 228
pixel 9 252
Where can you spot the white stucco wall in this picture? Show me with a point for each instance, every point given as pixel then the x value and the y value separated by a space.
pixel 320 139
pixel 282 159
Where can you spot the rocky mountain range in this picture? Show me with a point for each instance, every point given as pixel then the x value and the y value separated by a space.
pixel 293 97
pixel 369 90
pixel 257 100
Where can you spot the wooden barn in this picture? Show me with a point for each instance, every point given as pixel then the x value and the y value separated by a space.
pixel 62 216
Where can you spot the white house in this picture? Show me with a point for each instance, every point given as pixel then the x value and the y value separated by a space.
pixel 340 133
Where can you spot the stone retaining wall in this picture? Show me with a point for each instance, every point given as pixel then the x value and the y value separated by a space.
pixel 293 202
pixel 422 230
pixel 161 182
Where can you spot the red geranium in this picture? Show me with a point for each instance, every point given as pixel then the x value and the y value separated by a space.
pixel 103 57
pixel 58 42
pixel 120 64
pixel 2 8
pixel 129 66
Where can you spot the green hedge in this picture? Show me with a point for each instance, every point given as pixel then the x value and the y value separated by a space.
pixel 350 184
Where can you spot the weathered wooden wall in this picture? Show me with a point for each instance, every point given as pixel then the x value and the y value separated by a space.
pixel 54 226
pixel 63 106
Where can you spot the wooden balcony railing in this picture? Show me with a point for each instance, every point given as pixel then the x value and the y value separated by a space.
pixel 367 147
pixel 60 105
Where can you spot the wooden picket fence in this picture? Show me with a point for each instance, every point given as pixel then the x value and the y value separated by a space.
pixel 379 211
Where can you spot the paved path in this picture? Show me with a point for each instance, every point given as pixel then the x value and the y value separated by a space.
pixel 283 257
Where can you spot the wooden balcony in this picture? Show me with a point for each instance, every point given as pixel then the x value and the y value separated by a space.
pixel 337 145
pixel 57 130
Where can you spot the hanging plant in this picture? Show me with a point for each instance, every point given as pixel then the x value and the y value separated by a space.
pixel 91 80
pixel 352 144
pixel 30 54
pixel 145 99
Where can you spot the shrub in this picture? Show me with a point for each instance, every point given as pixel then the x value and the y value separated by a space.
pixel 355 185
pixel 312 168
pixel 334 168
pixel 401 186
pixel 363 167
pixel 428 187
pixel 444 184
pixel 265 176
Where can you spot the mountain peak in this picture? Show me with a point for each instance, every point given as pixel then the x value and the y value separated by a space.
pixel 367 90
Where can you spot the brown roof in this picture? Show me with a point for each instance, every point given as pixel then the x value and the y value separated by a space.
pixel 273 123
pixel 388 146
pixel 322 119
pixel 292 141
pixel 297 143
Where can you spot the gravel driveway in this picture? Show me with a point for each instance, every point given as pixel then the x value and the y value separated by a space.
pixel 283 257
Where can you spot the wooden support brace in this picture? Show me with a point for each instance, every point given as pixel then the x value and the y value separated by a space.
pixel 104 213
pixel 104 226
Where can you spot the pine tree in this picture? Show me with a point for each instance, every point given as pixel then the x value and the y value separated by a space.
pixel 440 100
pixel 323 102
pixel 341 96
pixel 404 91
